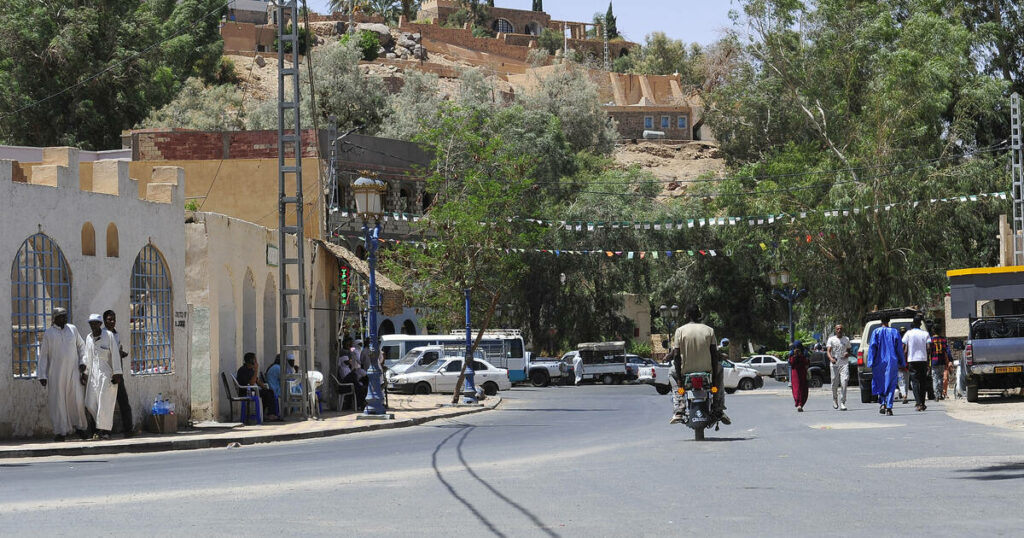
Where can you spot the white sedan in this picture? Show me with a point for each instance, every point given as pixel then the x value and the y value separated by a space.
pixel 738 376
pixel 763 364
pixel 444 376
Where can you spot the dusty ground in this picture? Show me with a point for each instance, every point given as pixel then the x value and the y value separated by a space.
pixel 680 161
pixel 258 83
pixel 991 409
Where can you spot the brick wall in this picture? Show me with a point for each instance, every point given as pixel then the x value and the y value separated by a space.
pixel 631 122
pixel 186 145
pixel 464 38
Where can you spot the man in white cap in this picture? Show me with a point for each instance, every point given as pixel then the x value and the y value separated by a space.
pixel 101 391
pixel 62 371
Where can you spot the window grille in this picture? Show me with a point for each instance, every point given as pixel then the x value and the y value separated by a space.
pixel 503 26
pixel 40 282
pixel 151 314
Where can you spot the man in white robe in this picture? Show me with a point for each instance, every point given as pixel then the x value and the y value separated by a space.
pixel 577 368
pixel 62 371
pixel 101 391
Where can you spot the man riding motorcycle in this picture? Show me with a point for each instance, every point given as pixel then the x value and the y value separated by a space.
pixel 695 349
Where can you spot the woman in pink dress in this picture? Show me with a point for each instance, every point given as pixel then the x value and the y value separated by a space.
pixel 798 365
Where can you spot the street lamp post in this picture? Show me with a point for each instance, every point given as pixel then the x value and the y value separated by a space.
pixel 368 194
pixel 790 293
pixel 670 316
pixel 469 385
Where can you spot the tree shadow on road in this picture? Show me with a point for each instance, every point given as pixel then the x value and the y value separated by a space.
pixel 1003 471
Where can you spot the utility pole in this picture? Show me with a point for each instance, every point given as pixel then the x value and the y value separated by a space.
pixel 292 300
pixel 1017 172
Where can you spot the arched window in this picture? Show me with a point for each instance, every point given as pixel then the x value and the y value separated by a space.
pixel 40 282
pixel 88 240
pixel 151 313
pixel 503 26
pixel 533 28
pixel 112 244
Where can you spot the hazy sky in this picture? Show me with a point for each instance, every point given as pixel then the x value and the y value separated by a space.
pixel 688 20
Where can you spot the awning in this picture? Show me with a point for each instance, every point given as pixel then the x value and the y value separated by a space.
pixel 392 298
pixel 968 286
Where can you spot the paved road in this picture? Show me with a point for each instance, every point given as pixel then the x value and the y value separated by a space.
pixel 560 461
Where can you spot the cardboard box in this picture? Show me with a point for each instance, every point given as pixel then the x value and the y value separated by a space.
pixel 162 423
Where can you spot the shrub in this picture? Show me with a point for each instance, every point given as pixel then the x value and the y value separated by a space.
pixel 368 44
pixel 226 72
pixel 550 40
pixel 641 349
pixel 304 40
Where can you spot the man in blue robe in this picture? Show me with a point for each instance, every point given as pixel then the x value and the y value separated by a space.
pixel 885 358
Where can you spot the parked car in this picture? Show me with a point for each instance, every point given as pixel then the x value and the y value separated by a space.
pixel 634 363
pixel 443 376
pixel 542 371
pixel 763 364
pixel 736 376
pixel 657 375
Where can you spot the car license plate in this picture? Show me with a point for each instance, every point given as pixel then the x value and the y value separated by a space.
pixel 1008 369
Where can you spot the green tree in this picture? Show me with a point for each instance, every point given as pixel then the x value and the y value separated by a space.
pixel 474 12
pixel 609 20
pixel 476 179
pixel 550 41
pixel 201 107
pixel 368 43
pixel 538 5
pixel 872 105
pixel 570 95
pixel 74 73
pixel 304 40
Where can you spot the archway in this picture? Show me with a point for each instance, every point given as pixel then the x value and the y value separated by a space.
pixel 269 322
pixel 227 343
pixel 40 282
pixel 386 327
pixel 533 28
pixel 408 327
pixel 248 313
pixel 151 307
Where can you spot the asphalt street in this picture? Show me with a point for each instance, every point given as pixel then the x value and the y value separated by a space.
pixel 557 461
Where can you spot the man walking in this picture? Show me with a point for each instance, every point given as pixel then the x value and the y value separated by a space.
pixel 698 352
pixel 62 371
pixel 838 349
pixel 941 357
pixel 101 390
pixel 916 342
pixel 885 356
pixel 123 403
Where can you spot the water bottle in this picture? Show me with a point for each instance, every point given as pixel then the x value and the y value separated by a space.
pixel 170 408
pixel 156 404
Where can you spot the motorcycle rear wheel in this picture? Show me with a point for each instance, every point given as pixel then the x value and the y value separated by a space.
pixel 698 434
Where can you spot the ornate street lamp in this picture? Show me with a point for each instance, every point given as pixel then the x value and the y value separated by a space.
pixel 369 194
pixel 788 292
pixel 670 316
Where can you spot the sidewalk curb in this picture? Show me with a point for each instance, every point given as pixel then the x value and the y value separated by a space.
pixel 159 445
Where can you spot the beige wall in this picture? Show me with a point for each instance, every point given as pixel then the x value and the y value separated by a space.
pixel 243 188
pixel 637 309
pixel 230 281
pixel 55 204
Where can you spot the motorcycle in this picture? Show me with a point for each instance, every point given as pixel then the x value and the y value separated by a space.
pixel 698 392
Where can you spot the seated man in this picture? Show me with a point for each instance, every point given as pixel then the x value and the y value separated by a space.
pixel 696 350
pixel 247 376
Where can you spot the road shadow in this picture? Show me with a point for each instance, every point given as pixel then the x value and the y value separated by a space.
pixel 529 515
pixel 722 439
pixel 5 465
pixel 1003 471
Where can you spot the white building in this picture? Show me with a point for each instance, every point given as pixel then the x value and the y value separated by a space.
pixel 81 235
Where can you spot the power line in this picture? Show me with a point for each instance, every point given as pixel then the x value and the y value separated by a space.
pixel 115 64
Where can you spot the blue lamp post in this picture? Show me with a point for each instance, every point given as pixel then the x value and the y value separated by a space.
pixel 790 293
pixel 469 386
pixel 368 194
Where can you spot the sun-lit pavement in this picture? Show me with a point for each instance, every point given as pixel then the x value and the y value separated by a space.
pixel 558 461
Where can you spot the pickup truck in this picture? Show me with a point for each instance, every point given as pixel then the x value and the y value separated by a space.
pixel 542 371
pixel 735 376
pixel 994 355
pixel 604 361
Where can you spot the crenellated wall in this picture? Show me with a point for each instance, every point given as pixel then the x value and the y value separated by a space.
pixel 100 222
